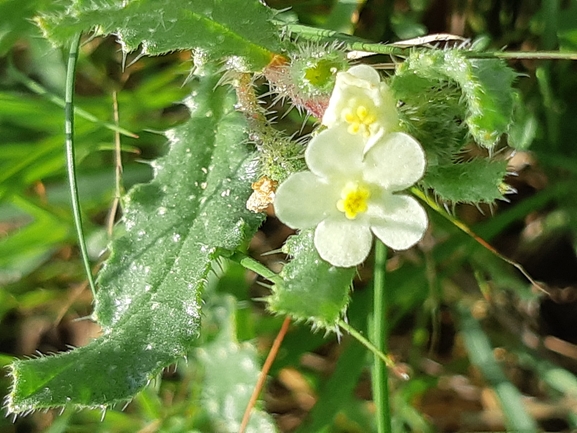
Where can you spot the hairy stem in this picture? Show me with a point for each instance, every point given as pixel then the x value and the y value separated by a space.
pixel 351 43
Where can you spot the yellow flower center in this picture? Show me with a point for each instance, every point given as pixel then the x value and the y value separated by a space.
pixel 359 118
pixel 354 198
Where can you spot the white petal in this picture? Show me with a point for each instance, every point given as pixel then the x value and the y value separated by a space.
pixel 387 107
pixel 304 200
pixel 349 86
pixel 365 72
pixel 400 221
pixel 334 153
pixel 332 113
pixel 396 161
pixel 361 86
pixel 376 136
pixel 343 243
pixel 337 103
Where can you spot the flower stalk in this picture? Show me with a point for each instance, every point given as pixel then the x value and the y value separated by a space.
pixel 380 338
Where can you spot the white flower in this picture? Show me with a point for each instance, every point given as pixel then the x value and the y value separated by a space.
pixel 362 102
pixel 348 194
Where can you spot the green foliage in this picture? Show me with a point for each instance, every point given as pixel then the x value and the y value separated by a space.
pixel 336 395
pixel 178 226
pixel 279 156
pixel 148 302
pixel 246 37
pixel 337 392
pixel 33 244
pixel 432 114
pixel 567 31
pixel 485 85
pixel 15 21
pixel 227 390
pixel 481 354
pixel 475 181
pixel 313 290
pixel 314 67
pixel 448 98
pixel 523 127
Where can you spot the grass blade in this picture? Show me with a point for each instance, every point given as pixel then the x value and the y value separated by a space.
pixel 70 163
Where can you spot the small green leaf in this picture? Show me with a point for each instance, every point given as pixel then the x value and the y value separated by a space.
pixel 237 30
pixel 313 290
pixel 148 303
pixel 475 181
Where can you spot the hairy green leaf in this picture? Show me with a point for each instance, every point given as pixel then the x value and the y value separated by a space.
pixel 237 30
pixel 475 181
pixel 432 115
pixel 148 302
pixel 313 289
pixel 485 85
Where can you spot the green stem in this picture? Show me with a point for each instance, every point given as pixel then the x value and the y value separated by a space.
pixel 251 264
pixel 70 163
pixel 522 55
pixel 465 229
pixel 361 339
pixel 352 43
pixel 258 268
pixel 380 336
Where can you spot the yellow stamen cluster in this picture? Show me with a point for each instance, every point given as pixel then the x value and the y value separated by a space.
pixel 359 118
pixel 354 199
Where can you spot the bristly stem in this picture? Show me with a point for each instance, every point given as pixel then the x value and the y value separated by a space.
pixel 388 361
pixel 351 43
pixel 70 163
pixel 380 337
